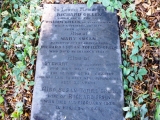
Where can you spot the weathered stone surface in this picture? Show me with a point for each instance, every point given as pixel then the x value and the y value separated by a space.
pixel 77 71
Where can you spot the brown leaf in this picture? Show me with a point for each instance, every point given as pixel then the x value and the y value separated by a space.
pixel 149 12
pixel 138 1
pixel 145 5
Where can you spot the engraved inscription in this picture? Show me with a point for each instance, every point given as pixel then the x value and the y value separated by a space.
pixel 78 65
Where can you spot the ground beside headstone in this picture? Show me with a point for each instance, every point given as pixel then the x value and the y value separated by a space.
pixel 77 71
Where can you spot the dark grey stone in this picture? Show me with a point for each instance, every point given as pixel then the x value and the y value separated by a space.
pixel 77 71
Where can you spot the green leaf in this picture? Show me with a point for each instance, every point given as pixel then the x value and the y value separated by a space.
pixel 132 6
pixel 134 109
pixel 157 92
pixel 135 69
pixel 20 56
pixel 157 113
pixel 139 58
pixel 18 40
pixel 1 99
pixel 135 50
pixel 131 79
pixel 135 36
pixel 133 58
pixel 106 3
pixel 29 50
pixel 26 87
pixel 15 115
pixel 123 1
pixel 1 59
pixel 121 66
pixel 37 23
pixel 145 22
pixel 2 114
pixel 140 76
pixel 145 96
pixel 31 83
pixel 126 71
pixel 14 34
pixel 129 115
pixel 140 100
pixel 123 13
pixel 140 43
pixel 125 87
pixel 142 71
pixel 143 111
pixel 89 3
pixel 5 30
pixel 134 16
pixel 136 77
pixel 15 6
pixel 132 74
pixel 126 108
pixel 2 54
pixel 109 8
pixel 125 63
pixel 18 18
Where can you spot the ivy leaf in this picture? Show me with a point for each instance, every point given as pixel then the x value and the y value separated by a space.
pixel 1 99
pixel 157 114
pixel 139 58
pixel 15 6
pixel 15 115
pixel 37 23
pixel 18 40
pixel 1 59
pixel 129 115
pixel 140 43
pixel 134 109
pixel 136 77
pixel 5 30
pixel 140 100
pixel 110 9
pixel 131 79
pixel 140 77
pixel 2 54
pixel 123 15
pixel 125 87
pixel 142 71
pixel 135 69
pixel 31 83
pixel 19 55
pixel 135 50
pixel 143 111
pixel 18 18
pixel 145 96
pixel 133 58
pixel 106 3
pixel 132 74
pixel 135 36
pixel 126 108
pixel 29 50
pixel 89 3
pixel 126 71
pixel 132 6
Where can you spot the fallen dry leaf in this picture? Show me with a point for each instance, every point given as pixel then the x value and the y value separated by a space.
pixel 145 5
pixel 149 12
pixel 138 1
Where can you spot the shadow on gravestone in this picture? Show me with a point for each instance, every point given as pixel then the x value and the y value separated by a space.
pixel 77 71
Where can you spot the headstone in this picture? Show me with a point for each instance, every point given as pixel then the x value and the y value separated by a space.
pixel 77 71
